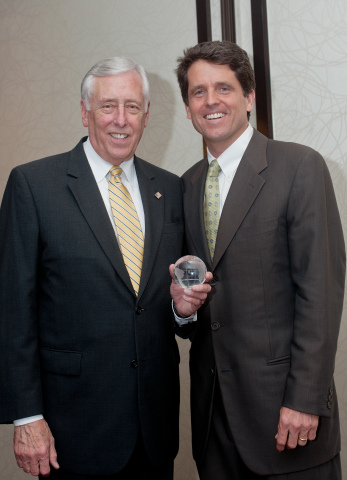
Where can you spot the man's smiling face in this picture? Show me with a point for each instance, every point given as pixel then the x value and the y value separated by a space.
pixel 217 105
pixel 117 116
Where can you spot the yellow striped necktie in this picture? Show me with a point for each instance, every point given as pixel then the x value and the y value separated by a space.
pixel 212 205
pixel 128 226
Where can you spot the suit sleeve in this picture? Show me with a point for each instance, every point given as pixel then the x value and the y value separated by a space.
pixel 19 257
pixel 317 254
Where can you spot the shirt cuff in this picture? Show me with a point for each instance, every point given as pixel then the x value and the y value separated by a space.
pixel 24 421
pixel 183 321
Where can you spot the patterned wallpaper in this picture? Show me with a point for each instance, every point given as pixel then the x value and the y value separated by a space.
pixel 47 46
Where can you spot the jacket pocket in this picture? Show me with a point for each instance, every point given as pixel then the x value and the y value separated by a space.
pixel 279 360
pixel 61 362
pixel 258 229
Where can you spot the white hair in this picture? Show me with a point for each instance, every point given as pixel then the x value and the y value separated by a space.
pixel 113 66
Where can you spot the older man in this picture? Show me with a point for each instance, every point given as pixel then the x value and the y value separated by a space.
pixel 89 362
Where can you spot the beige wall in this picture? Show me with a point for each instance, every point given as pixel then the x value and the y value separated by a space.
pixel 46 46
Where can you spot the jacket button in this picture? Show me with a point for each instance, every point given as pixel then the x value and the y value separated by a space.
pixel 331 391
pixel 134 363
pixel 138 310
pixel 215 325
pixel 329 404
pixel 214 281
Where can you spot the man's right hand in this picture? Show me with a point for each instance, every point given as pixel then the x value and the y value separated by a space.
pixel 34 448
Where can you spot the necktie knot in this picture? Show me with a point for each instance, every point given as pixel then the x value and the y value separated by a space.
pixel 213 169
pixel 116 172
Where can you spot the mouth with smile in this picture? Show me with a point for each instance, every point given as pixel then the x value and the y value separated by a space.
pixel 119 136
pixel 212 116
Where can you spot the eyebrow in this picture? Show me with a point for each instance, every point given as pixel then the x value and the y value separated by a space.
pixel 217 84
pixel 132 100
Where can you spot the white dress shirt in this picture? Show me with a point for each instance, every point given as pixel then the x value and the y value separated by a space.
pixel 100 169
pixel 229 162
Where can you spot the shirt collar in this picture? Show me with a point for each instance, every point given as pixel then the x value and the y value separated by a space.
pixel 100 167
pixel 231 157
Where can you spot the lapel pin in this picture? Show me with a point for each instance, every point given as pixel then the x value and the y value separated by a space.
pixel 158 195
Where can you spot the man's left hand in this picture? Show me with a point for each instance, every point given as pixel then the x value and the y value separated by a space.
pixel 295 429
pixel 188 300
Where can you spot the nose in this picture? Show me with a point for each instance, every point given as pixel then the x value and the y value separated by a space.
pixel 211 98
pixel 119 116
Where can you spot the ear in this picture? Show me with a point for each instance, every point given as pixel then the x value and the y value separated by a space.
pixel 84 113
pixel 147 114
pixel 250 100
pixel 189 116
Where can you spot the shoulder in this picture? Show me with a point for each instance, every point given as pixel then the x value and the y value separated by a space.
pixel 194 170
pixel 50 165
pixel 293 151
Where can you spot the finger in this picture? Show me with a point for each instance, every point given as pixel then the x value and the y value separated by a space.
pixel 202 288
pixel 35 469
pixel 26 467
pixel 53 456
pixel 302 438
pixel 193 300
pixel 281 438
pixel 292 440
pixel 19 461
pixel 208 276
pixel 44 467
pixel 311 435
pixel 171 268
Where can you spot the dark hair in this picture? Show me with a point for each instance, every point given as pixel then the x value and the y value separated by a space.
pixel 220 53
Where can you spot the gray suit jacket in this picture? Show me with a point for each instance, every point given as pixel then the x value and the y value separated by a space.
pixel 75 342
pixel 269 328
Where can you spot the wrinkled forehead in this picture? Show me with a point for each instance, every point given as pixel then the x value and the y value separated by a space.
pixel 122 87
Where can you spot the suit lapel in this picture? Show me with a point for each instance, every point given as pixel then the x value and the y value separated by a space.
pixel 243 191
pixel 154 216
pixel 82 184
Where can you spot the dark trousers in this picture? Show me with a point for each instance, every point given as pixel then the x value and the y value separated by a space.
pixel 223 462
pixel 138 467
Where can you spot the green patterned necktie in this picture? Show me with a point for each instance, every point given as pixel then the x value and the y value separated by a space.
pixel 212 205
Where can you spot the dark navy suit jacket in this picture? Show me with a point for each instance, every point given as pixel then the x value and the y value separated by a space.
pixel 76 343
